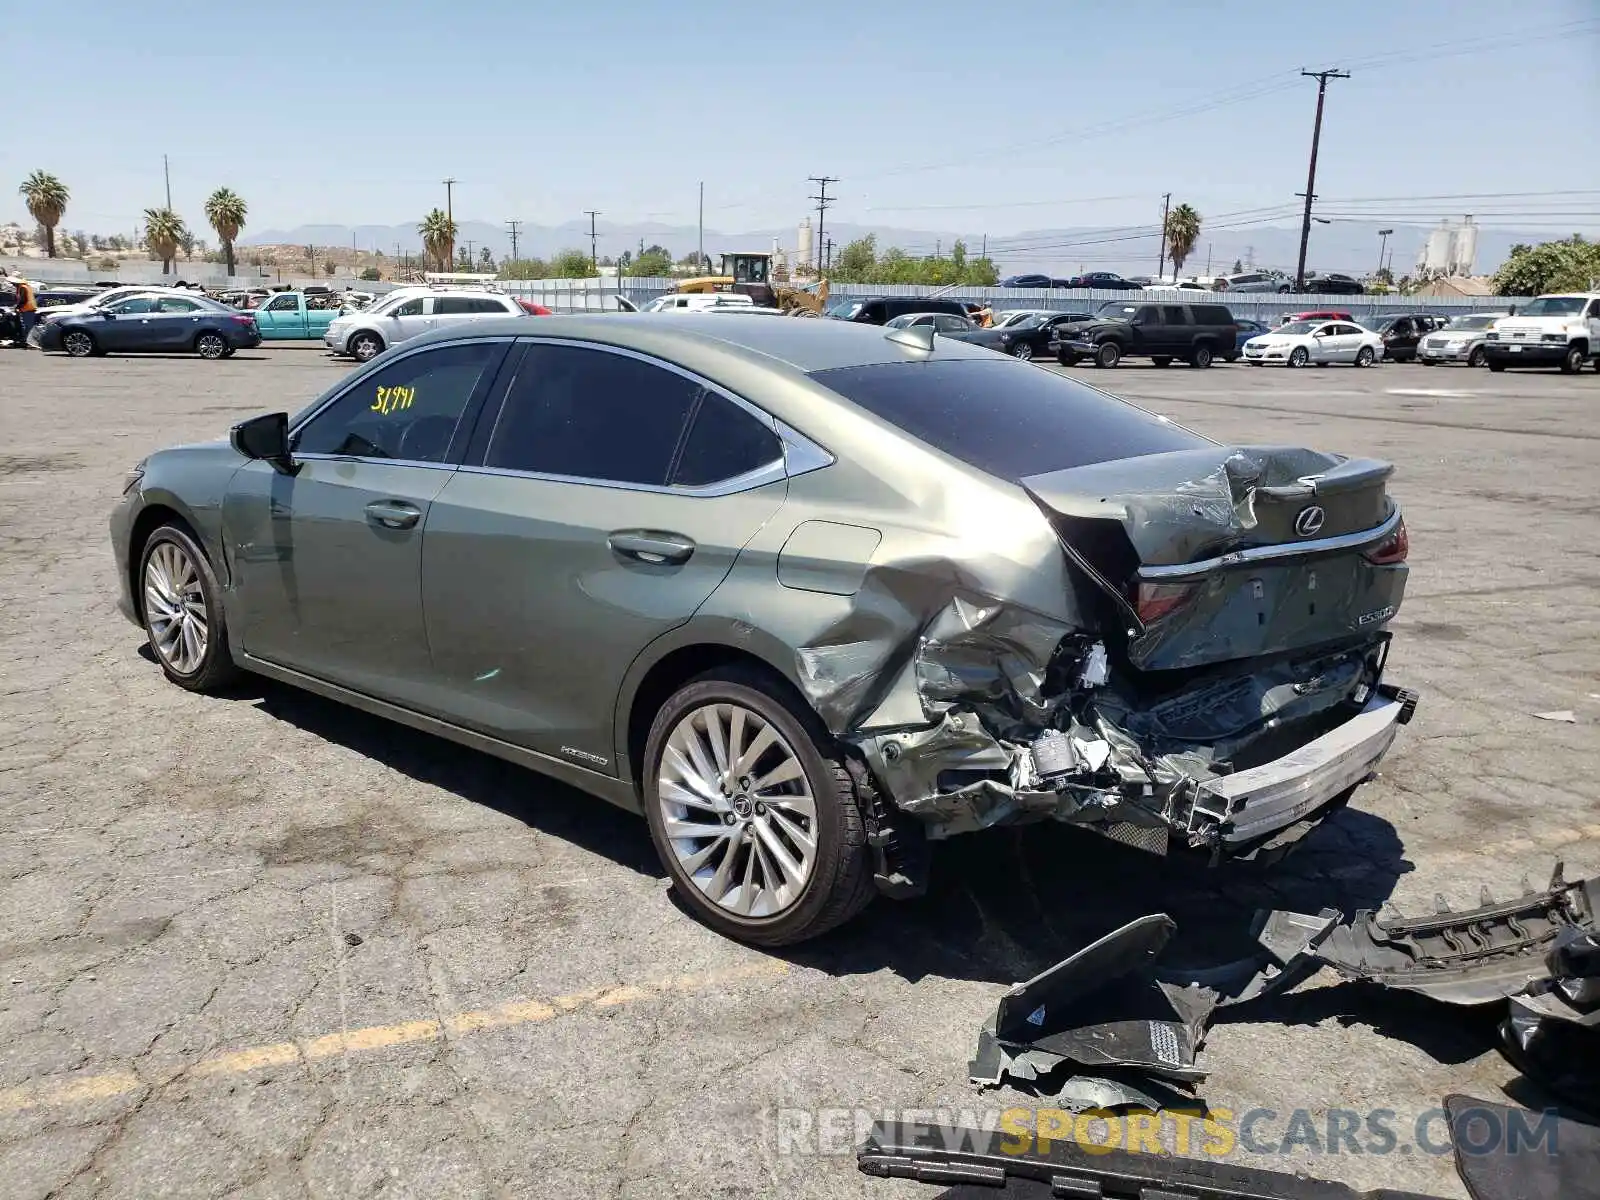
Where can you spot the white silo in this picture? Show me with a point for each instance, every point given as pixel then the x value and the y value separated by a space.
pixel 1437 255
pixel 804 247
pixel 1466 248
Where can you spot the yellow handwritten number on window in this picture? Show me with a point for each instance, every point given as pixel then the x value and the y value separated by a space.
pixel 393 399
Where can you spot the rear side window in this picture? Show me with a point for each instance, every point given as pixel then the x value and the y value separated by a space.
pixel 1174 314
pixel 592 414
pixel 724 441
pixel 1212 314
pixel 1006 417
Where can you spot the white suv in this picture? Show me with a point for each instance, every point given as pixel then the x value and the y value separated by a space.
pixel 406 312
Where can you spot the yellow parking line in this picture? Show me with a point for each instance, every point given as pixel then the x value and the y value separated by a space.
pixel 54 1093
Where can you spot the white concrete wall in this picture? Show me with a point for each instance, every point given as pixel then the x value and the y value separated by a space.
pixel 212 275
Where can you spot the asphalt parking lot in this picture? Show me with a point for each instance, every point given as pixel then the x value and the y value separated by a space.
pixel 264 946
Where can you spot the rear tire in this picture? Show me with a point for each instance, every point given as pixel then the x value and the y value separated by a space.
pixel 1299 356
pixel 1108 355
pixel 1200 357
pixel 1365 356
pixel 1475 359
pixel 838 884
pixel 1574 359
pixel 1023 351
pixel 211 345
pixel 365 347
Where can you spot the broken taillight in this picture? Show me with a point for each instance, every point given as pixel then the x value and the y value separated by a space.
pixel 1155 600
pixel 1392 550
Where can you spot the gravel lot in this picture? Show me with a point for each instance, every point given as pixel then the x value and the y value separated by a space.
pixel 265 946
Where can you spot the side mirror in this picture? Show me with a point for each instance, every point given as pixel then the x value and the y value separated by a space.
pixel 265 438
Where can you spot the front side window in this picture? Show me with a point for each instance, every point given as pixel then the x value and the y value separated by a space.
pixel 592 414
pixel 408 308
pixel 284 304
pixel 133 306
pixel 408 411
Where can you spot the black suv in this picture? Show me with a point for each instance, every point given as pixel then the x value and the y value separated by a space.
pixel 884 309
pixel 1196 333
pixel 1333 284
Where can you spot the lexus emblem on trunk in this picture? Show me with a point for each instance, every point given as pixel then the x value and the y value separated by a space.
pixel 1310 520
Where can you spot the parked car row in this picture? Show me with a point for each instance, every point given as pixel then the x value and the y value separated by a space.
pixel 1316 282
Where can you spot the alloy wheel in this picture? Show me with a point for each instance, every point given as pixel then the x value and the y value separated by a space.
pixel 78 344
pixel 1023 351
pixel 738 810
pixel 210 345
pixel 175 608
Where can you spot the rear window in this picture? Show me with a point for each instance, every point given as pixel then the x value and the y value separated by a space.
pixel 1006 417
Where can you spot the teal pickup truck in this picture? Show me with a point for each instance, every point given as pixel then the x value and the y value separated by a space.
pixel 295 315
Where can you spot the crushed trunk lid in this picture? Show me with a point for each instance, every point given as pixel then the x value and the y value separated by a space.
pixel 1226 553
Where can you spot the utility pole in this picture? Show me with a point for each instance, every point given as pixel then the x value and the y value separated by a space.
pixel 1208 260
pixel 166 172
pixel 470 259
pixel 828 266
pixel 1161 262
pixel 594 254
pixel 449 196
pixel 515 228
pixel 1383 235
pixel 984 253
pixel 1322 78
pixel 823 200
pixel 700 240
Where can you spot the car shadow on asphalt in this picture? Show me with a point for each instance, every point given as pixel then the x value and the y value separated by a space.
pixel 1002 905
pixel 538 802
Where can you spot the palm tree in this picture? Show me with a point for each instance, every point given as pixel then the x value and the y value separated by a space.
pixel 164 232
pixel 438 238
pixel 1183 231
pixel 226 210
pixel 46 197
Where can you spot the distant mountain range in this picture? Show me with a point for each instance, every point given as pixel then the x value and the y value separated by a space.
pixel 1344 246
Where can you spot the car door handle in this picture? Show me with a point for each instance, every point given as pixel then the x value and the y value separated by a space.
pixel 394 514
pixel 649 546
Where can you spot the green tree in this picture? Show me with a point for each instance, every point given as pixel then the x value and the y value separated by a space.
pixel 1238 267
pixel 438 238
pixel 524 268
pixel 328 266
pixel 163 232
pixel 1183 231
pixel 46 198
pixel 226 211
pixel 857 262
pixel 571 264
pixel 486 259
pixel 371 274
pixel 652 263
pixel 1570 265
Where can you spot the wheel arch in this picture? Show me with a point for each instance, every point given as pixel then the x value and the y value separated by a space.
pixel 677 657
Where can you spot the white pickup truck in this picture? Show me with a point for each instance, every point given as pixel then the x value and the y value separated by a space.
pixel 1559 330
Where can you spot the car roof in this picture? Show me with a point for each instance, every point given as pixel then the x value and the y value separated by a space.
pixel 701 340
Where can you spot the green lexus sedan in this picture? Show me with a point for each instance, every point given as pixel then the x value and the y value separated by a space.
pixel 807 594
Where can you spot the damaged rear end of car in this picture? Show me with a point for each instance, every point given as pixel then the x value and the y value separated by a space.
pixel 1210 678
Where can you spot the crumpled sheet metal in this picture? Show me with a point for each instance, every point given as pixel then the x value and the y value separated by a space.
pixel 1552 1031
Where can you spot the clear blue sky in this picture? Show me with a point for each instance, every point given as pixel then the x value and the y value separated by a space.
pixel 979 116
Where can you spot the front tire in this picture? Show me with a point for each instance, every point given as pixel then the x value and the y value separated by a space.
pixel 78 343
pixel 181 607
pixel 1108 355
pixel 365 347
pixel 1572 362
pixel 1299 356
pixel 211 345
pixel 753 811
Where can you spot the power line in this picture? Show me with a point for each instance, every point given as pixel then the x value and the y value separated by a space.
pixel 1322 78
pixel 823 200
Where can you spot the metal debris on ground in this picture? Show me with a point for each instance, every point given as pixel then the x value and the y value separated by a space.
pixel 1565 714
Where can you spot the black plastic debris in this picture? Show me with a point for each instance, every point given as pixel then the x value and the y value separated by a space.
pixel 1476 956
pixel 1552 1031
pixel 1495 1164
pixel 976 1162
pixel 1132 1028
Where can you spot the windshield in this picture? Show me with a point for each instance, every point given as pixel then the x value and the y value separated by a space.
pixel 1298 327
pixel 1006 417
pixel 1552 306
pixel 1472 322
pixel 845 309
pixel 1031 321
pixel 1118 309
